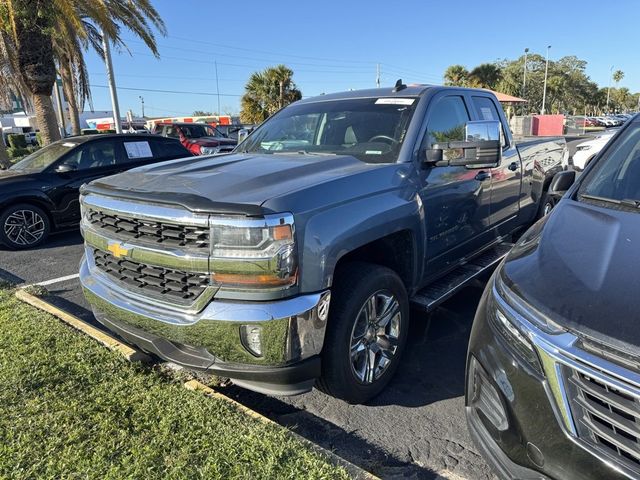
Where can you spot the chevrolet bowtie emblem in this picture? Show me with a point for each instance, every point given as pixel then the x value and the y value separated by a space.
pixel 117 250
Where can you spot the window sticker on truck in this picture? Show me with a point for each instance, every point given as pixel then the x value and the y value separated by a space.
pixel 373 152
pixel 395 101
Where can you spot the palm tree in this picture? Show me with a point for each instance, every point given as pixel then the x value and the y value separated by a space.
pixel 485 75
pixel 45 30
pixel 618 75
pixel 266 92
pixel 456 75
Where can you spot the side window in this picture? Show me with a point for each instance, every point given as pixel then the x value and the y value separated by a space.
pixel 170 131
pixel 487 110
pixel 447 121
pixel 163 148
pixel 93 155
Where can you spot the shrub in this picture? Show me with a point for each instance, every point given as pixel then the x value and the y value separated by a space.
pixel 17 140
pixel 88 131
pixel 39 138
pixel 17 152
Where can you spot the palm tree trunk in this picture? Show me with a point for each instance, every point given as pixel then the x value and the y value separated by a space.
pixel 4 156
pixel 46 115
pixel 72 101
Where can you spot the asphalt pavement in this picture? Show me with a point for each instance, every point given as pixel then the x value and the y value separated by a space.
pixel 415 429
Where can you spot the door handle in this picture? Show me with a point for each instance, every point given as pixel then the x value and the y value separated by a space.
pixel 513 166
pixel 483 175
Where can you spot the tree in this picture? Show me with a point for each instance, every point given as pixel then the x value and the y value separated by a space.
pixel 45 31
pixel 456 76
pixel 485 75
pixel 618 75
pixel 266 92
pixel 10 85
pixel 201 113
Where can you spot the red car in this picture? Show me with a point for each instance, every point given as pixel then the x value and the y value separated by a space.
pixel 198 138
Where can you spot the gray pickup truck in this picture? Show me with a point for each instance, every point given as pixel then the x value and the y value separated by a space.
pixel 293 261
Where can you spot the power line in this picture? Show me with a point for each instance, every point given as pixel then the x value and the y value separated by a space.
pixel 169 91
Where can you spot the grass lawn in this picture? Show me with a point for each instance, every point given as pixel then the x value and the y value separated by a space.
pixel 70 408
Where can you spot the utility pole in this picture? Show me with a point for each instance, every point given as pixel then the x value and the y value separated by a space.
pixel 281 102
pixel 524 77
pixel 215 62
pixel 112 83
pixel 142 102
pixel 378 75
pixel 609 87
pixel 544 90
pixel 56 94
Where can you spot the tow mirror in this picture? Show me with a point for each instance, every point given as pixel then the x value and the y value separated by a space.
pixel 482 147
pixel 562 182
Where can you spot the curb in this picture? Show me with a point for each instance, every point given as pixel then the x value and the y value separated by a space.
pixel 133 355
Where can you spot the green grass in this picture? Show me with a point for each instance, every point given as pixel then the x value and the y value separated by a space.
pixel 70 408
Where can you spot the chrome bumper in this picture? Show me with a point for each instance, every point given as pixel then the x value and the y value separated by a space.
pixel 292 329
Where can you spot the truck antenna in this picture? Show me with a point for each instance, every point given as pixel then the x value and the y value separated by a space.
pixel 399 86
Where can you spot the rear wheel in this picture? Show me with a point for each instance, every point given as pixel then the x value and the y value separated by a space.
pixel 547 202
pixel 23 226
pixel 367 332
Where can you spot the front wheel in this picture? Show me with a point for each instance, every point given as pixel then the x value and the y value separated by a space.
pixel 547 202
pixel 23 226
pixel 367 332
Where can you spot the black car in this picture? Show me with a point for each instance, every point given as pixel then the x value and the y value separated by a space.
pixel 40 193
pixel 553 368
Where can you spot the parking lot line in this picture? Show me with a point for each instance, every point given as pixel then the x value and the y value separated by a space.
pixel 57 280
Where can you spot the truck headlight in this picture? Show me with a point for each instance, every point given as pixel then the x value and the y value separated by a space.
pixel 254 253
pixel 208 150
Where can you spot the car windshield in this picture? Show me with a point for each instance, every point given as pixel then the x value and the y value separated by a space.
pixel 370 129
pixel 199 130
pixel 615 180
pixel 46 156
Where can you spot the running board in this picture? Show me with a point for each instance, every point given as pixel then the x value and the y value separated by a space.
pixel 444 288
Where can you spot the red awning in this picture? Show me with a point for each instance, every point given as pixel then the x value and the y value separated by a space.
pixel 504 98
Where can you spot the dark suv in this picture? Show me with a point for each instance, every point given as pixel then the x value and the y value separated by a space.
pixel 553 372
pixel 40 193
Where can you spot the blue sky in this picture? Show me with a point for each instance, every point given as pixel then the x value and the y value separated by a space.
pixel 335 45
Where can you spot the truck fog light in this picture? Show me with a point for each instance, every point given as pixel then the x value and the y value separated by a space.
pixel 251 337
pixel 483 396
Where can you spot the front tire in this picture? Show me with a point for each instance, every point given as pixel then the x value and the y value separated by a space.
pixel 23 226
pixel 547 202
pixel 366 334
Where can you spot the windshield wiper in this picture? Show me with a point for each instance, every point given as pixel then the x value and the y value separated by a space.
pixel 627 202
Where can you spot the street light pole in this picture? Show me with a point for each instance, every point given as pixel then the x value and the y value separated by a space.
pixel 524 77
pixel 142 102
pixel 544 90
pixel 112 83
pixel 609 87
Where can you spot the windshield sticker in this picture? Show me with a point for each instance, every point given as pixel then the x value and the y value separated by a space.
pixel 395 101
pixel 69 144
pixel 373 152
pixel 138 149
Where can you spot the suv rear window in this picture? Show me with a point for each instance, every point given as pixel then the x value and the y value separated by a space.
pixel 615 179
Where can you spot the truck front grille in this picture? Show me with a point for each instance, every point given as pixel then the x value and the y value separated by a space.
pixel 162 233
pixel 158 282
pixel 605 417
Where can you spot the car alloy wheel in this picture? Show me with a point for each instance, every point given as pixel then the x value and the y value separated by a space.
pixel 374 336
pixel 24 227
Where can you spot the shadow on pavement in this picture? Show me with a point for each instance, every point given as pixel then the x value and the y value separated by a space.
pixel 10 277
pixel 58 239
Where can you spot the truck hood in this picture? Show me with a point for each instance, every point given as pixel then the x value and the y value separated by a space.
pixel 234 183
pixel 581 268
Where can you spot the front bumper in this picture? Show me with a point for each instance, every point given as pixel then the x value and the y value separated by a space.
pixel 531 443
pixel 209 340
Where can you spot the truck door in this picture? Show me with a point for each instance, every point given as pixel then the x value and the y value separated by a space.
pixel 506 178
pixel 456 199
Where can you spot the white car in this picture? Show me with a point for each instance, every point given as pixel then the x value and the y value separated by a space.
pixel 589 149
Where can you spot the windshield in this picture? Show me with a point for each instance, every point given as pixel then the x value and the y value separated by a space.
pixel 199 130
pixel 615 180
pixel 370 129
pixel 43 158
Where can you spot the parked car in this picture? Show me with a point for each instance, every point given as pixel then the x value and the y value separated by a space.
pixel 198 138
pixel 296 259
pixel 586 151
pixel 553 370
pixel 40 193
pixel 231 131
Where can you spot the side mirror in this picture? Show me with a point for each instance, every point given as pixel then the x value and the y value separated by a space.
pixel 562 182
pixel 64 168
pixel 482 147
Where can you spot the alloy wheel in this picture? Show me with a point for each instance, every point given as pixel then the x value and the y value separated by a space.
pixel 374 337
pixel 24 227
